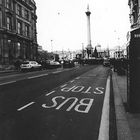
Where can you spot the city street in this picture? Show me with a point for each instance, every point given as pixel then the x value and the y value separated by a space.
pixel 62 104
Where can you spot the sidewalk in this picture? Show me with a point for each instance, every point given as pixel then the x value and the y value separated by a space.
pixel 128 124
pixel 7 68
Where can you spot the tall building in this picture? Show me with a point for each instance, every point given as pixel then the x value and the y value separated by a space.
pixel 133 56
pixel 134 13
pixel 18 35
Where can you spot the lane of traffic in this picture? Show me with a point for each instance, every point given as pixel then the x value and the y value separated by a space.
pixel 14 94
pixel 29 75
pixel 71 111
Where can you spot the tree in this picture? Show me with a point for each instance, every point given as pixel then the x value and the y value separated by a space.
pixel 95 54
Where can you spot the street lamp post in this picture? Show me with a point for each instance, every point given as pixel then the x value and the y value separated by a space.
pixel 83 54
pixel 52 46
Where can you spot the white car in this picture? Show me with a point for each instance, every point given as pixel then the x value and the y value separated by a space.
pixel 54 63
pixel 30 65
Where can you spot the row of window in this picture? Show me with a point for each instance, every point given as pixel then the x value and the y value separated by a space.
pixel 22 12
pixel 20 30
pixel 9 3
pixel 134 13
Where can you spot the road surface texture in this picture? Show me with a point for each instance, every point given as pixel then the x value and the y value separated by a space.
pixel 57 105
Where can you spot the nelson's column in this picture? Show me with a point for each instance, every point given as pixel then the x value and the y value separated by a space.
pixel 89 46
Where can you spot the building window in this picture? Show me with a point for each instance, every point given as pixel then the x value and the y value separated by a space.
pixel 9 23
pixel 18 50
pixel 19 10
pixel 8 4
pixel 19 28
pixel 0 18
pixel 26 14
pixel 27 30
pixel 0 48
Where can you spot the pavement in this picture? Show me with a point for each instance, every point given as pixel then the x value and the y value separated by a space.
pixel 128 124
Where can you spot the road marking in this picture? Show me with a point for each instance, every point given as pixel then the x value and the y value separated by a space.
pixel 79 105
pixel 72 81
pixel 63 85
pixel 56 72
pixel 9 76
pixel 104 126
pixel 36 76
pixel 50 93
pixel 77 78
pixel 25 106
pixel 7 83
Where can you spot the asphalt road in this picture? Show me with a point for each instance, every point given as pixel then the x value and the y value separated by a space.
pixel 57 105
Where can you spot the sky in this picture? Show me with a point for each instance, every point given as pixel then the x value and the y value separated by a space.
pixel 62 24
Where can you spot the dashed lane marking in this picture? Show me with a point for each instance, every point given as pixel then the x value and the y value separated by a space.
pixel 63 85
pixel 72 81
pixel 25 106
pixel 77 78
pixel 7 83
pixel 8 76
pixel 56 72
pixel 36 76
pixel 50 93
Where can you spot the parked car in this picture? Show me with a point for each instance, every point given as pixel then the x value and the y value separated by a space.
pixel 54 63
pixel 30 65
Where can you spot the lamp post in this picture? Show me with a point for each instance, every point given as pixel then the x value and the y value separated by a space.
pixel 83 54
pixel 52 45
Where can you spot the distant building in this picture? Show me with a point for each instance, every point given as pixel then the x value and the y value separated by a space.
pixel 18 35
pixel 103 53
pixel 40 49
pixel 118 53
pixel 112 53
pixel 67 54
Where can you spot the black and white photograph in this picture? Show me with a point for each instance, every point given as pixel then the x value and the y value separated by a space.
pixel 69 69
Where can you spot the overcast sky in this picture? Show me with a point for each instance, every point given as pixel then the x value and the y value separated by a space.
pixel 65 23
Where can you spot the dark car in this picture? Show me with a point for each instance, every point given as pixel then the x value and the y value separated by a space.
pixel 106 62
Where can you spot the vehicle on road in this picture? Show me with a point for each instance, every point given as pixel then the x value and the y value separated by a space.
pixel 106 62
pixel 54 63
pixel 68 64
pixel 30 65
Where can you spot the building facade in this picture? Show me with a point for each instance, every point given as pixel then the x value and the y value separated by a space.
pixel 134 13
pixel 18 34
pixel 133 57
